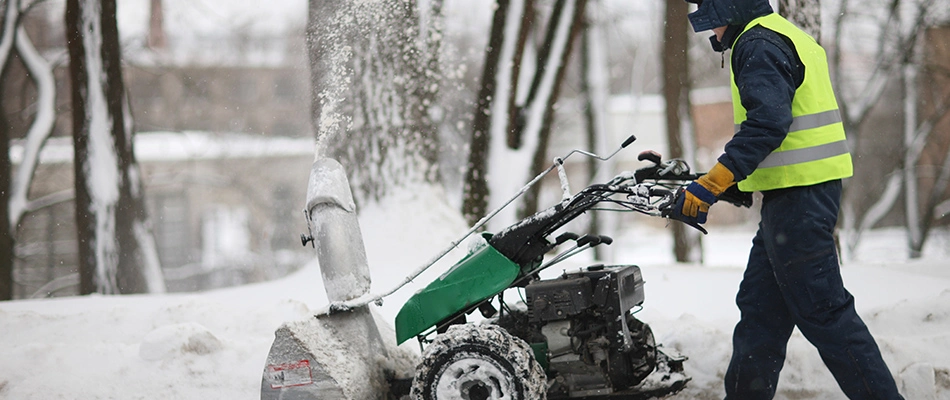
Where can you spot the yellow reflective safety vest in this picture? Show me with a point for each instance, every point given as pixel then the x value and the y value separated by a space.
pixel 815 149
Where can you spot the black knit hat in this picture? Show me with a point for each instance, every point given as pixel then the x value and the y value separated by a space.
pixel 715 13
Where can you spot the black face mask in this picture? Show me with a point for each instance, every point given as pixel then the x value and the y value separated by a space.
pixel 728 38
pixel 716 44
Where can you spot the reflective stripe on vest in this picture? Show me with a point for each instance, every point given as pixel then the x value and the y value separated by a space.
pixel 810 121
pixel 815 149
pixel 814 153
pixel 799 156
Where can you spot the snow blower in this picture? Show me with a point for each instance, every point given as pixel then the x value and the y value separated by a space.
pixel 570 337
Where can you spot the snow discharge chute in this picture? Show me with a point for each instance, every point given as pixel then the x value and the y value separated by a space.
pixel 344 355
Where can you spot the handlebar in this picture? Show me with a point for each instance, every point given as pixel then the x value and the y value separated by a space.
pixel 649 190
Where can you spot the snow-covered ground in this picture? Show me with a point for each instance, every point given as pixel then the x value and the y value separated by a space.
pixel 213 345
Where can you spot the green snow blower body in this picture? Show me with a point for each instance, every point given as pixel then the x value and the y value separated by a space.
pixel 480 275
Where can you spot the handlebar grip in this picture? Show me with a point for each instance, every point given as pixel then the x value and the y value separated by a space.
pixel 627 142
pixel 651 156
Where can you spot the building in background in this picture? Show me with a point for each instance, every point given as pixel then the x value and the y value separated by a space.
pixel 225 209
pixel 220 102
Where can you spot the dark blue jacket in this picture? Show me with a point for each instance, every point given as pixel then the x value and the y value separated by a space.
pixel 767 71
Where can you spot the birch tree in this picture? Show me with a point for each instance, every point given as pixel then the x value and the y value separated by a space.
pixel 375 80
pixel 117 252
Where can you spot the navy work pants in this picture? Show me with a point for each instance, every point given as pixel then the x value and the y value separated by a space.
pixel 793 279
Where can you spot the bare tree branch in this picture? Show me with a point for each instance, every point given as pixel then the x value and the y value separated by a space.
pixel 10 21
pixel 41 129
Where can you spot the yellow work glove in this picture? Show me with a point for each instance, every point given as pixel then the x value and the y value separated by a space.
pixel 692 204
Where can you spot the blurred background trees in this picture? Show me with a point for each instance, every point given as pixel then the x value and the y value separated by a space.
pixel 469 96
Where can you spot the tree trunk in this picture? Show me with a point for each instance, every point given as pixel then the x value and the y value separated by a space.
pixel 687 245
pixel 508 160
pixel 476 191
pixel 116 249
pixel 934 105
pixel 911 183
pixel 515 122
pixel 7 256
pixel 6 236
pixel 594 77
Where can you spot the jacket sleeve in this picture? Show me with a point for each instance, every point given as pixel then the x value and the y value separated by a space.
pixel 767 73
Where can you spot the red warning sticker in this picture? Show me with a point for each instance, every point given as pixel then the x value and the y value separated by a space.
pixel 290 374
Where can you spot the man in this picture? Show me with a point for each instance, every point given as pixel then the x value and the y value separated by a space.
pixel 790 145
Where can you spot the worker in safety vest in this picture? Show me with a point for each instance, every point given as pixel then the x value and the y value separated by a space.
pixel 789 144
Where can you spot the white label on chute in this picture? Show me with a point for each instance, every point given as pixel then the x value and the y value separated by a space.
pixel 291 374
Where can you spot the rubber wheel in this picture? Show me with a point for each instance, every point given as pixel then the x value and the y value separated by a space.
pixel 478 362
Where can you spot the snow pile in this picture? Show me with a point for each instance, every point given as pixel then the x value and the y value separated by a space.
pixel 171 341
pixel 214 344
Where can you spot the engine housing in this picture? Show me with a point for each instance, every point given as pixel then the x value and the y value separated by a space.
pixel 585 318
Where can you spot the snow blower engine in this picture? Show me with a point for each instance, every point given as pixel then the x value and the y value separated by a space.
pixel 593 344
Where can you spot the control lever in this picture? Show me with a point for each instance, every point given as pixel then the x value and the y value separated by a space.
pixel 592 240
pixel 565 237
